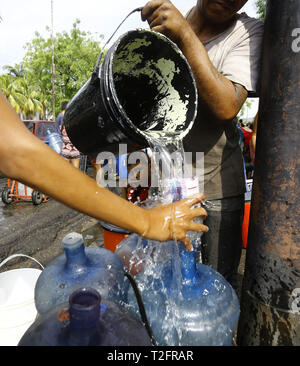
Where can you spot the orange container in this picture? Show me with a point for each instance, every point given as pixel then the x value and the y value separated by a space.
pixel 245 226
pixel 111 239
pixel 113 235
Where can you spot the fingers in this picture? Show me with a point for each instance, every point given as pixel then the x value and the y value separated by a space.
pixel 189 203
pixel 193 200
pixel 199 212
pixel 157 14
pixel 150 8
pixel 187 244
pixel 194 226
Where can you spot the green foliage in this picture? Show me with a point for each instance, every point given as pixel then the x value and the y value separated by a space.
pixel 23 98
pixel 28 86
pixel 261 8
pixel 244 110
pixel 75 56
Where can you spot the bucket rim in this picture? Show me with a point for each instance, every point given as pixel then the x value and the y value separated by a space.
pixel 13 256
pixel 21 269
pixel 129 124
pixel 114 229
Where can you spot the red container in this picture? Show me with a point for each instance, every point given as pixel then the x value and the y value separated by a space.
pixel 113 235
pixel 245 226
pixel 112 239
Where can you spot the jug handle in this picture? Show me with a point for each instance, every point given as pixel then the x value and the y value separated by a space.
pixel 20 255
pixel 101 53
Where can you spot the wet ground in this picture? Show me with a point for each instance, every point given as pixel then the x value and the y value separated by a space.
pixel 37 231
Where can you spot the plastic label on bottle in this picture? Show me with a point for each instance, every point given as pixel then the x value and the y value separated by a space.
pixel 179 188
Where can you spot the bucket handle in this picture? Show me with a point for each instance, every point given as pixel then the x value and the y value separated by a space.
pixel 101 54
pixel 20 255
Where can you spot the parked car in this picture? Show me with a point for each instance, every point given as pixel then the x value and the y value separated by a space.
pixel 39 128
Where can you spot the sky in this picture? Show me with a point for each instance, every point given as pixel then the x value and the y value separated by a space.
pixel 21 19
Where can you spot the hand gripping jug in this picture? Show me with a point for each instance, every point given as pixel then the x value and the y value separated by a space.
pixel 187 303
pixel 86 320
pixel 80 267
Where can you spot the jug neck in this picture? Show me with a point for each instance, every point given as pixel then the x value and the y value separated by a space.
pixel 189 271
pixel 75 256
pixel 84 309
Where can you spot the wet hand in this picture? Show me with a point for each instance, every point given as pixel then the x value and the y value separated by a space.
pixel 173 221
pixel 165 18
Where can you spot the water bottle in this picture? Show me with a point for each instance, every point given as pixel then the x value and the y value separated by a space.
pixel 80 267
pixel 187 303
pixel 86 320
pixel 54 140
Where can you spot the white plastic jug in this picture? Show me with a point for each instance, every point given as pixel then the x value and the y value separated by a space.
pixel 17 308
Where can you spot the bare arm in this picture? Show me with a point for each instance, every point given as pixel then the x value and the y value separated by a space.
pixel 25 158
pixel 221 98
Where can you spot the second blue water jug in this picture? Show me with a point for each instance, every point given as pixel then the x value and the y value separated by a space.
pixel 86 320
pixel 187 303
pixel 54 140
pixel 80 267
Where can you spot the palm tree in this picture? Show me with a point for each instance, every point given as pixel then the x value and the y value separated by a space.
pixel 16 71
pixel 22 98
pixel 9 89
pixel 31 104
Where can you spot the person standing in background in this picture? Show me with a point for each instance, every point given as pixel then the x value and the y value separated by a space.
pixel 69 151
pixel 60 117
pixel 223 49
pixel 253 139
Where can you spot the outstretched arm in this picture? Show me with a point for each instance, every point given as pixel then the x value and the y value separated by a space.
pixel 25 158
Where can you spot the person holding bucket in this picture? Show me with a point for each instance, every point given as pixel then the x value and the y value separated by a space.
pixel 25 158
pixel 223 49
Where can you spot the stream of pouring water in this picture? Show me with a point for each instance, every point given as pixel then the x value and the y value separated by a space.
pixel 158 260
pixel 174 181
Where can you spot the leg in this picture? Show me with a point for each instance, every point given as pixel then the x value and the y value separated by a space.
pixel 76 163
pixel 222 245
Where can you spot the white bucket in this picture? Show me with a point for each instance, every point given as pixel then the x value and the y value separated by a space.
pixel 17 308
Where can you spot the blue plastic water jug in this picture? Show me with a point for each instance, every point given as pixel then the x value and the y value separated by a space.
pixel 187 303
pixel 54 140
pixel 80 267
pixel 86 320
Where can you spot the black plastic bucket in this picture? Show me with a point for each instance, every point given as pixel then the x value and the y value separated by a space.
pixel 144 83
